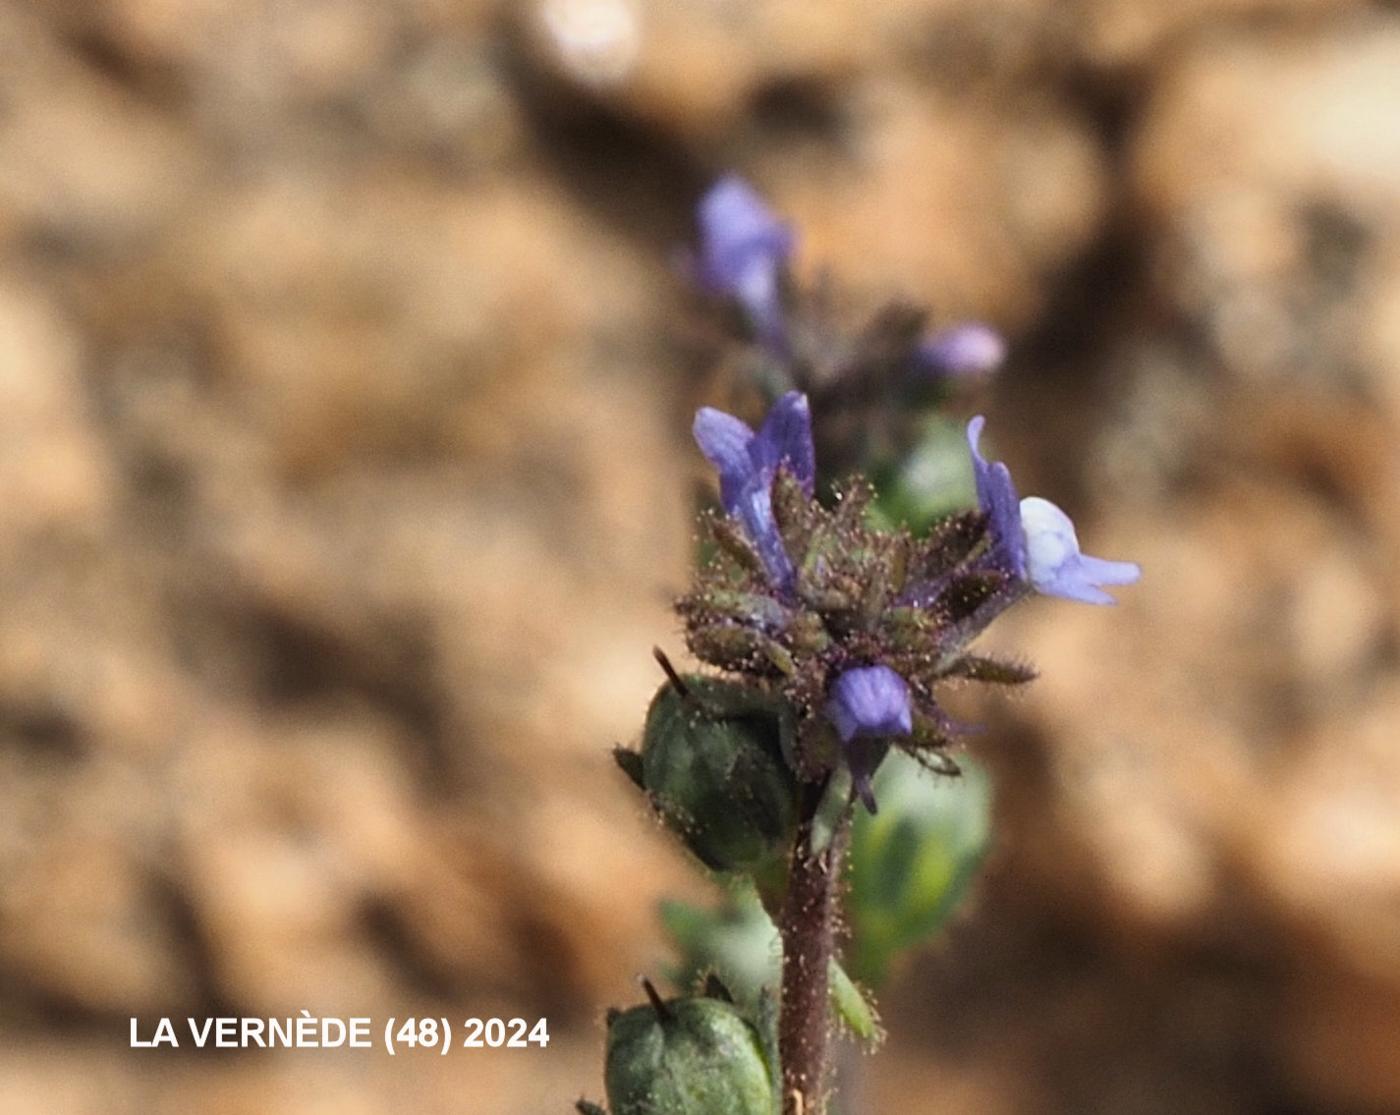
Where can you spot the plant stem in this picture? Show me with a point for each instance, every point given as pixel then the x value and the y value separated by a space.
pixel 808 929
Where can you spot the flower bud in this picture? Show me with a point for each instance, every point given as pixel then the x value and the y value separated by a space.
pixel 713 764
pixel 968 349
pixel 692 1056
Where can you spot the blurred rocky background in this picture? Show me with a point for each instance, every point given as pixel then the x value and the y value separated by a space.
pixel 344 482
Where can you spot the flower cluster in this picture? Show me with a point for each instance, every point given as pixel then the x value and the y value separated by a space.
pixel 855 627
pixel 828 636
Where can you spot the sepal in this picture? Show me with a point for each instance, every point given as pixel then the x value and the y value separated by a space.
pixel 630 763
pixel 853 1008
pixel 997 671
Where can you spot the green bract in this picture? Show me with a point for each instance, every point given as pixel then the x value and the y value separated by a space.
pixel 687 1057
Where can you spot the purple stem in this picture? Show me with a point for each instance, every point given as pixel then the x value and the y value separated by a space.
pixel 808 929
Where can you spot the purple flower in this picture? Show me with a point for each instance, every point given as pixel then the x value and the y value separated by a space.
pixel 869 701
pixel 744 248
pixel 868 704
pixel 964 350
pixel 1036 541
pixel 747 463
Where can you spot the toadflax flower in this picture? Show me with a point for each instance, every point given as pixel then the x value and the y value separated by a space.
pixel 747 463
pixel 744 249
pixel 868 702
pixel 1035 541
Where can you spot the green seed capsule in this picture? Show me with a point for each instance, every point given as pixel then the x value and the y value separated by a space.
pixel 712 763
pixel 687 1057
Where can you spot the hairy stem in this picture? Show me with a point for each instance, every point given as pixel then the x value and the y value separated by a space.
pixel 808 928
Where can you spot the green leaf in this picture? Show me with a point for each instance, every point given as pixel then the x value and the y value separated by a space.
pixel 932 481
pixel 738 942
pixel 911 864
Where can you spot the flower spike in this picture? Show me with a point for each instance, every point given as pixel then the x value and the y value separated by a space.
pixel 853 628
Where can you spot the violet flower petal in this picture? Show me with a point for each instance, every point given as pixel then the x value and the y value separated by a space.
pixel 726 443
pixel 1054 563
pixel 996 495
pixel 786 438
pixel 754 510
pixel 869 701
pixel 867 705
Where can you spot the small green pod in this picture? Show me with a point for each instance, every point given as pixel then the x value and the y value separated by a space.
pixel 693 1056
pixel 712 762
